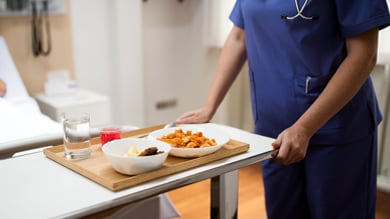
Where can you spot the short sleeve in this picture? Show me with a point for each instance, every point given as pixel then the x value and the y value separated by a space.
pixel 358 16
pixel 236 15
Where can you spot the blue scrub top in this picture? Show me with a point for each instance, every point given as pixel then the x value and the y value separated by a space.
pixel 291 62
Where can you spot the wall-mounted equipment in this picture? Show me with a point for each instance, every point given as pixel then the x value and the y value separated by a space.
pixel 39 10
pixel 41 36
pixel 25 7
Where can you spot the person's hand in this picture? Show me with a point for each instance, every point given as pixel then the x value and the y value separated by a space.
pixel 197 116
pixel 3 88
pixel 292 144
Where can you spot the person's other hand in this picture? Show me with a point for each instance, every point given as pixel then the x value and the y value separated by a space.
pixel 197 116
pixel 3 88
pixel 292 144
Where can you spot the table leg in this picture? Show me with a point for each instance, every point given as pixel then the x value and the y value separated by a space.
pixel 224 196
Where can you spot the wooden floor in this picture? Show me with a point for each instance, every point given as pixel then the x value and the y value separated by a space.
pixel 193 201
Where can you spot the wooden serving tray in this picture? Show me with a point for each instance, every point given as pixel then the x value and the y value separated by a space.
pixel 98 169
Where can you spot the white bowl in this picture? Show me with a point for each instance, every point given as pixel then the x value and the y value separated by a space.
pixel 220 137
pixel 132 165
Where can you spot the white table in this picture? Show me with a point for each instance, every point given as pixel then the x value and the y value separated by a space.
pixel 33 186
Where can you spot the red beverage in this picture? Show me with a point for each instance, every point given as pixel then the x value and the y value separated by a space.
pixel 109 134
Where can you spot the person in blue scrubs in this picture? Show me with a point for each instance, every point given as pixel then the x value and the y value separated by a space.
pixel 309 68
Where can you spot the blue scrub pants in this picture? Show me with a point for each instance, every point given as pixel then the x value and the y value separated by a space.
pixel 333 181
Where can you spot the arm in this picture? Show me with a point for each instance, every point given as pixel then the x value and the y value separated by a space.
pixel 232 58
pixel 346 82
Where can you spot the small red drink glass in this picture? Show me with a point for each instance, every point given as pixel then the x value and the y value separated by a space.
pixel 109 134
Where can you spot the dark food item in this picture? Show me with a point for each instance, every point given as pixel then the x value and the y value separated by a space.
pixel 150 151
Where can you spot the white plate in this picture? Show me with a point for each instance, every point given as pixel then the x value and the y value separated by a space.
pixel 220 137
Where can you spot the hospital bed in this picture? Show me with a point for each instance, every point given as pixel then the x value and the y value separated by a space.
pixel 22 125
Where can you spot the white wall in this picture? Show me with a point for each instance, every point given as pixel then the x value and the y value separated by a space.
pixel 172 58
pixel 216 21
pixel 90 23
pixel 381 77
pixel 181 44
pixel 142 53
pixel 177 65
pixel 108 55
pixel 384 39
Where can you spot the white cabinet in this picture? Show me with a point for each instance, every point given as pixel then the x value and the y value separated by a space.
pixel 97 105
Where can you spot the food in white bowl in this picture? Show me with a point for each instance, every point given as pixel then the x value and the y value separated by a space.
pixel 191 141
pixel 135 151
pixel 117 153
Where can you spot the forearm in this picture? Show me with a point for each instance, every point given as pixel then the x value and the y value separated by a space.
pixel 346 82
pixel 231 60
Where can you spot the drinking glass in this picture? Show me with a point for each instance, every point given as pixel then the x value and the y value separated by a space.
pixel 109 134
pixel 76 135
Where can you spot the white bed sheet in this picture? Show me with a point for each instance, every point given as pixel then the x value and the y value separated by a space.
pixel 24 120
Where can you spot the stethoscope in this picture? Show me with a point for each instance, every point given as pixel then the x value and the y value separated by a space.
pixel 40 46
pixel 299 13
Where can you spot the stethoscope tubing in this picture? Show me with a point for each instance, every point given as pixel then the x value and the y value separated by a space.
pixel 299 12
